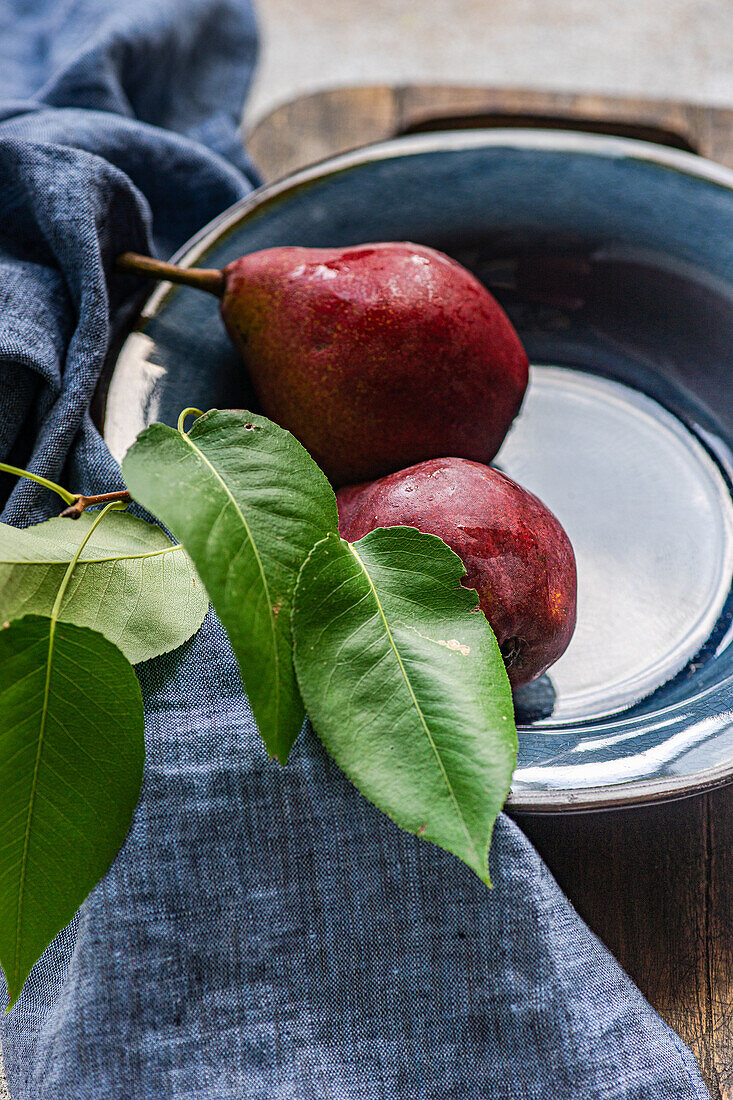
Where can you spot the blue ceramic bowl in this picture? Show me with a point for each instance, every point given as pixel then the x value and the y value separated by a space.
pixel 614 260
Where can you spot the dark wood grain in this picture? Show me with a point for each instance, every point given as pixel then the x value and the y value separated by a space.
pixel 324 123
pixel 313 127
pixel 656 883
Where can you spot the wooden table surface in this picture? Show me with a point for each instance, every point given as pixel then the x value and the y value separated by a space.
pixel 653 883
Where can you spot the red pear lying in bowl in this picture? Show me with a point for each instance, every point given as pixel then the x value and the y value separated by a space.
pixel 517 555
pixel 374 356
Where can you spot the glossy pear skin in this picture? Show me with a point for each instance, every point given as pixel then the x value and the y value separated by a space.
pixel 375 356
pixel 517 556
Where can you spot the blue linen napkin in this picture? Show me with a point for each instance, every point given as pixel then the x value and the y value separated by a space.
pixel 264 932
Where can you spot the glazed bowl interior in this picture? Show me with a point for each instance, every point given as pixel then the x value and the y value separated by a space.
pixel 614 260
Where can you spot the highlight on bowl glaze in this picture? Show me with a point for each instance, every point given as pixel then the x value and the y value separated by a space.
pixel 614 260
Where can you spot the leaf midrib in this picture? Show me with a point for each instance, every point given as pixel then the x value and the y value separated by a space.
pixel 276 652
pixel 416 704
pixel 53 619
pixel 36 562
pixel 32 804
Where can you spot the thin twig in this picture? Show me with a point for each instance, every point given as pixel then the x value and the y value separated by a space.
pixel 80 503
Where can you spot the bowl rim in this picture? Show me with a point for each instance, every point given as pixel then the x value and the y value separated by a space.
pixel 571 141
pixel 522 801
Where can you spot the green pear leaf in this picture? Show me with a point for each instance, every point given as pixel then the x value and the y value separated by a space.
pixel 131 583
pixel 405 685
pixel 248 503
pixel 71 760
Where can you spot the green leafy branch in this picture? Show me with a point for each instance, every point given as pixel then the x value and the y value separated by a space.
pixel 396 666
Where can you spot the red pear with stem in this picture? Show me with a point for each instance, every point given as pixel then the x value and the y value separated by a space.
pixel 375 357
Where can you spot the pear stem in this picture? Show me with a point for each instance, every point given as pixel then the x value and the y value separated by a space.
pixel 210 280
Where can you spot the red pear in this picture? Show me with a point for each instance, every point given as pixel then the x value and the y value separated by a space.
pixel 517 556
pixel 375 356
